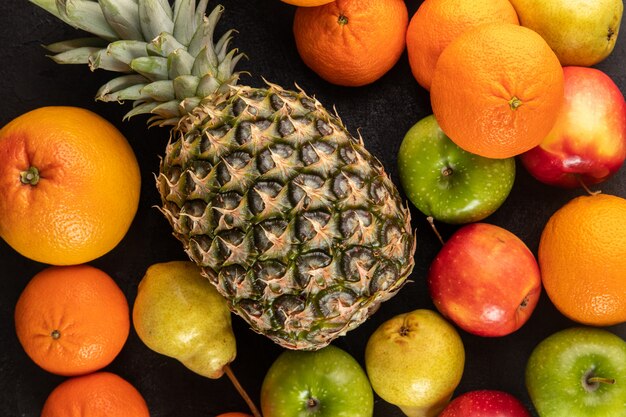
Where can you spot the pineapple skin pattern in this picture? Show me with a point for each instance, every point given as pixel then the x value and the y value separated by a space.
pixel 290 217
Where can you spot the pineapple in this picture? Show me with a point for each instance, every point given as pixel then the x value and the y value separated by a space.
pixel 285 211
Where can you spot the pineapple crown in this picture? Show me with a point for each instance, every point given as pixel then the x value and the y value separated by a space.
pixel 167 53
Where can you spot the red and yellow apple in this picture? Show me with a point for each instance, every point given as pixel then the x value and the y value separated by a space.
pixel 485 279
pixel 588 140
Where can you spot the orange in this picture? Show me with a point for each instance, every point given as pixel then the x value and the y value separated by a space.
pixel 101 394
pixel 437 22
pixel 351 42
pixel 497 90
pixel 70 185
pixel 307 3
pixel 582 257
pixel 72 320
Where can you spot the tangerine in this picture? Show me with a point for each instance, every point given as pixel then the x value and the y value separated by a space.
pixel 72 320
pixel 437 22
pixel 101 394
pixel 307 3
pixel 582 257
pixel 351 42
pixel 497 90
pixel 70 185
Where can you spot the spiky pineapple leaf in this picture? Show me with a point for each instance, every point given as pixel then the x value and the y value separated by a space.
pixel 105 92
pixel 70 44
pixel 156 40
pixel 88 16
pixel 154 19
pixel 123 17
pixel 79 55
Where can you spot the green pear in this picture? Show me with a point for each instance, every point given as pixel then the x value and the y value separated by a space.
pixel 415 361
pixel 179 313
pixel 580 32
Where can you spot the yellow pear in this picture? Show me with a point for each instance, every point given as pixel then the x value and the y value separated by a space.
pixel 179 313
pixel 415 360
pixel 580 32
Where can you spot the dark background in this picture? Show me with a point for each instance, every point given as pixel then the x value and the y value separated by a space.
pixel 384 111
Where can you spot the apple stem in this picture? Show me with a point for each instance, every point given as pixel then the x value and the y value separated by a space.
pixel 599 379
pixel 584 186
pixel 431 221
pixel 231 375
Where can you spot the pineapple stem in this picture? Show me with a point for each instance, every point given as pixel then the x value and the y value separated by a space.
pixel 231 375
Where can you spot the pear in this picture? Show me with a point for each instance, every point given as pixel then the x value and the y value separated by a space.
pixel 580 32
pixel 180 314
pixel 415 361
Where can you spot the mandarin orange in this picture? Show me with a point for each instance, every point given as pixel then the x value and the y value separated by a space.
pixel 72 320
pixel 101 394
pixel 307 3
pixel 582 257
pixel 351 42
pixel 437 22
pixel 497 90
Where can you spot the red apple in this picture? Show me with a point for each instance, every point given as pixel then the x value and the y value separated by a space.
pixel 588 141
pixel 485 403
pixel 485 279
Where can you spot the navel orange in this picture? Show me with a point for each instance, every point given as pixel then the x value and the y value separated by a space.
pixel 351 42
pixel 497 90
pixel 437 22
pixel 101 394
pixel 70 185
pixel 72 320
pixel 582 257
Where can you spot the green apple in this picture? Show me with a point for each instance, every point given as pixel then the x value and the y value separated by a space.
pixel 415 361
pixel 580 32
pixel 325 383
pixel 447 183
pixel 578 372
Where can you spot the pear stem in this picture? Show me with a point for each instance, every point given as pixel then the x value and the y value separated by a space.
pixel 231 375
pixel 431 221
